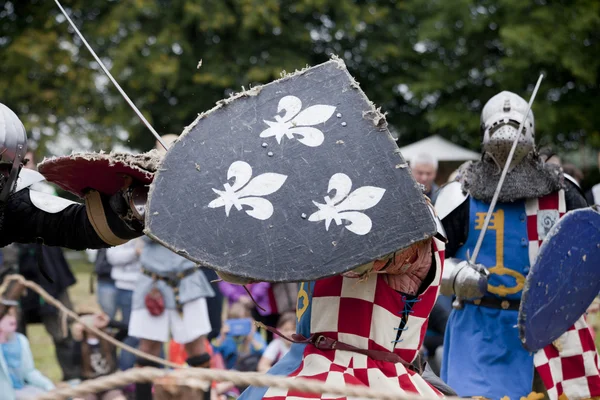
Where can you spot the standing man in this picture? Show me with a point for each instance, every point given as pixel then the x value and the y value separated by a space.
pixel 483 355
pixel 424 169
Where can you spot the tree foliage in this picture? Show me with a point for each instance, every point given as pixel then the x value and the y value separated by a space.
pixel 430 64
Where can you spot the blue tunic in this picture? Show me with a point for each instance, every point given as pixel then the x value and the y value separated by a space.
pixel 292 360
pixel 483 355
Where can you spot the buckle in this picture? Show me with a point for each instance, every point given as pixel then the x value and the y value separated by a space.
pixel 319 340
pixel 505 304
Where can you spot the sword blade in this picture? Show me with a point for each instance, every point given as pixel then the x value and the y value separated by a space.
pixel 113 80
pixel 488 216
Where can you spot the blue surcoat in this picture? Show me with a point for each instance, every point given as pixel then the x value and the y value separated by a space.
pixel 483 355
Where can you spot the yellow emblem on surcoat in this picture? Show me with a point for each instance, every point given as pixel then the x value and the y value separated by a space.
pixel 497 224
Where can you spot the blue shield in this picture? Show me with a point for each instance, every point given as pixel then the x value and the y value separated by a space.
pixel 296 180
pixel 564 280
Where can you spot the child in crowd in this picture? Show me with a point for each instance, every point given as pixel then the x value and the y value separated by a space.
pixel 279 347
pixel 239 342
pixel 257 297
pixel 18 377
pixel 97 356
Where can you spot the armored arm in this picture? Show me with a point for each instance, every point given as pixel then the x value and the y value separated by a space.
pixel 465 280
pixel 452 207
pixel 32 216
pixel 459 277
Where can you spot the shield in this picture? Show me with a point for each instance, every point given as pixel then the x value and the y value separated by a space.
pixel 106 173
pixel 292 181
pixel 564 280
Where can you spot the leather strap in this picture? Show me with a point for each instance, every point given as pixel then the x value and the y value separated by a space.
pixel 173 283
pixel 322 342
pixel 97 217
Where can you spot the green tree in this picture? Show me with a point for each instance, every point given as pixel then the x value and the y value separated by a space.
pixel 430 64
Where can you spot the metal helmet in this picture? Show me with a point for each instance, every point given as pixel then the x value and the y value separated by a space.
pixel 500 120
pixel 13 146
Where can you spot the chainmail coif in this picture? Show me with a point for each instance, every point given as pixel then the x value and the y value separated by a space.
pixel 531 178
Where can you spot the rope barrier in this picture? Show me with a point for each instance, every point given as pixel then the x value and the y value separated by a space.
pixel 196 377
pixel 148 374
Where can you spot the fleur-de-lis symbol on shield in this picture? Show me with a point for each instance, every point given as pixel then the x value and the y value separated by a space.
pixel 248 192
pixel 299 123
pixel 347 206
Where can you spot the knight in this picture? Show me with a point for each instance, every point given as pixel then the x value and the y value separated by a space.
pixel 366 326
pixel 482 349
pixel 29 216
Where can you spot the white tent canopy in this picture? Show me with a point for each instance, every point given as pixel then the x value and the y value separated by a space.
pixel 440 148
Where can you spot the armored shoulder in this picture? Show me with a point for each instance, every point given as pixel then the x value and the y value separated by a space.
pixel 28 177
pixel 574 196
pixel 449 198
pixel 31 180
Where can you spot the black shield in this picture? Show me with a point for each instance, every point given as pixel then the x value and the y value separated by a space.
pixel 292 181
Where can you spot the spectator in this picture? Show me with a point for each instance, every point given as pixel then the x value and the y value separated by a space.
pixel 36 310
pixel 169 300
pixel 97 356
pixel 107 291
pixel 261 311
pixel 10 261
pixel 279 347
pixel 548 155
pixel 424 169
pixel 125 272
pixel 240 345
pixel 19 379
pixel 573 172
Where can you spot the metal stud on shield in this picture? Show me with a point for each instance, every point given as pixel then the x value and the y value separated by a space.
pixel 286 190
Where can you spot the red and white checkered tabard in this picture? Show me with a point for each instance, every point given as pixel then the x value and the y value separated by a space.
pixel 572 371
pixel 542 214
pixel 366 314
pixel 568 368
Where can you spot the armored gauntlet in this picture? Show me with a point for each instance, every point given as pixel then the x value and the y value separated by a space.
pixel 465 280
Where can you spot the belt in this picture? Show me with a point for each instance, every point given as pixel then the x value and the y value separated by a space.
pixel 173 283
pixel 493 302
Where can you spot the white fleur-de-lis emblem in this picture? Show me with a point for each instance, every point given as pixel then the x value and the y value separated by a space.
pixel 296 122
pixel 247 192
pixel 347 206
